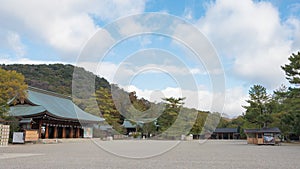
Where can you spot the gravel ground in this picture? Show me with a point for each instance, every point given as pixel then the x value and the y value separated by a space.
pixel 150 154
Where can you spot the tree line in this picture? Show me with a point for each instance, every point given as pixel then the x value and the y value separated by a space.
pixel 113 103
pixel 279 109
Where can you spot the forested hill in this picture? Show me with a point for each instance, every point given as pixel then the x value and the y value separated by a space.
pixel 53 77
pixel 58 78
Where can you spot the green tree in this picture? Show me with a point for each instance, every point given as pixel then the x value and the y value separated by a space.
pixel 292 100
pixel 170 114
pixel 258 111
pixel 12 85
pixel 199 123
pixel 292 70
pixel 174 103
pixel 107 108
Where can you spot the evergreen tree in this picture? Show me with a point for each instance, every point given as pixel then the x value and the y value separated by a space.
pixel 258 111
pixel 170 114
pixel 292 70
pixel 292 101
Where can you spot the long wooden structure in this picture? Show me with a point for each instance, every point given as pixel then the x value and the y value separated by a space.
pixel 52 115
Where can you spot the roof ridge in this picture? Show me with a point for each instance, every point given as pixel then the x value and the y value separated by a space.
pixel 35 89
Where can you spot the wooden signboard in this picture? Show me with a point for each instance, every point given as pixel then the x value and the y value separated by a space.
pixel 31 135
pixel 4 134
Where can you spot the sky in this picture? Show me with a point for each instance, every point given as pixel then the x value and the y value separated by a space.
pixel 245 42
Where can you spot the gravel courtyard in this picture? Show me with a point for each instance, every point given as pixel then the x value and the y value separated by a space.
pixel 125 154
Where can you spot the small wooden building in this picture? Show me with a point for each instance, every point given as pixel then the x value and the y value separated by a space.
pixel 129 126
pixel 263 136
pixel 225 133
pixel 52 115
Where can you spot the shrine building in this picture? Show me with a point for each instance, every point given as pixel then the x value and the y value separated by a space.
pixel 52 115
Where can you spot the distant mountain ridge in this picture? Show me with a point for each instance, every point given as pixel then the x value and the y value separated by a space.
pixel 53 77
pixel 113 103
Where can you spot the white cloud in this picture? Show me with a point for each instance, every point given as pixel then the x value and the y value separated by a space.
pixel 188 13
pixel 293 24
pixel 117 73
pixel 197 48
pixel 15 43
pixel 253 36
pixel 130 26
pixel 9 60
pixel 235 99
pixel 103 69
pixel 201 99
pixel 64 25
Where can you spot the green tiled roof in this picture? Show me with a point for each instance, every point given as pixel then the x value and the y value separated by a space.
pixel 26 120
pixel 26 110
pixel 52 103
pixel 128 124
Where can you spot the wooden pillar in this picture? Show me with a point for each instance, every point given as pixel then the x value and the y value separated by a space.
pixel 71 132
pixel 47 131
pixel 55 132
pixel 63 132
pixel 40 129
pixel 77 132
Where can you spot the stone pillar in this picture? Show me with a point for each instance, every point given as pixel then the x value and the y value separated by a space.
pixel 47 131
pixel 63 132
pixel 55 132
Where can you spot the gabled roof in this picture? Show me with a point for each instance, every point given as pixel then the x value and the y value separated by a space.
pixel 128 124
pixel 226 130
pixel 26 110
pixel 106 127
pixel 26 120
pixel 53 103
pixel 263 130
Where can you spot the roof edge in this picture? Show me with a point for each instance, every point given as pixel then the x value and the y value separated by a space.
pixel 49 92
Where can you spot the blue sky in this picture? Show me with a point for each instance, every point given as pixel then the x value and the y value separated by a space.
pixel 252 40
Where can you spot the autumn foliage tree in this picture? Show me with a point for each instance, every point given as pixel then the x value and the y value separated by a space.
pixel 11 85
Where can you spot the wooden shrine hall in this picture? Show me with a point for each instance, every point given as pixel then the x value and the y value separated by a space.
pixel 52 115
pixel 225 133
